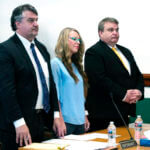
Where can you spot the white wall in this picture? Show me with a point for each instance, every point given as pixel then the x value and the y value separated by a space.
pixel 54 15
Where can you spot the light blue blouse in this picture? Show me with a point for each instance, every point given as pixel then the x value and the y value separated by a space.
pixel 70 94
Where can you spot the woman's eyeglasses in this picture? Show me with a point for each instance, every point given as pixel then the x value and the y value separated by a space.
pixel 75 39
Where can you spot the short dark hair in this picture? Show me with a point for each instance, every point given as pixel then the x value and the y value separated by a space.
pixel 103 21
pixel 17 14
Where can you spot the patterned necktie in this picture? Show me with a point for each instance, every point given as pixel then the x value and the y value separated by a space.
pixel 116 52
pixel 46 102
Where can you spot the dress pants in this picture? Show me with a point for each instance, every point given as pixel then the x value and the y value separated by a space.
pixel 8 140
pixel 75 129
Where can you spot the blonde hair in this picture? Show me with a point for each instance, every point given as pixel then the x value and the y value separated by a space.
pixel 63 52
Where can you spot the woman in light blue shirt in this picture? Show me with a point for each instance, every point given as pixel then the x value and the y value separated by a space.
pixel 71 81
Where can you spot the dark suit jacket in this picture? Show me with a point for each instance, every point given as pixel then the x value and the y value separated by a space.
pixel 18 85
pixel 106 74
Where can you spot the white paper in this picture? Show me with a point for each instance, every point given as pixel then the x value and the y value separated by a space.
pixel 79 145
pixel 87 145
pixel 89 136
pixel 147 134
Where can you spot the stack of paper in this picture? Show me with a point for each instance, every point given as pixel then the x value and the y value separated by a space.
pixel 79 145
pixel 71 142
pixel 87 136
pixel 44 146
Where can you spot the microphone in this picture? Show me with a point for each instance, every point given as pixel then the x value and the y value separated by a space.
pixel 125 143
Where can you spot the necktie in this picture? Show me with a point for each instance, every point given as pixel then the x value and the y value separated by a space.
pixel 43 80
pixel 116 52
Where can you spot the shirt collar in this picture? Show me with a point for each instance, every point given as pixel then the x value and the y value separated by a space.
pixel 113 46
pixel 24 41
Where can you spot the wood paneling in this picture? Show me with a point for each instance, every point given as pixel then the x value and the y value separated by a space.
pixel 146 80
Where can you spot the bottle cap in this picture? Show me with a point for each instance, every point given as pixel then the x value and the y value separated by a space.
pixel 111 122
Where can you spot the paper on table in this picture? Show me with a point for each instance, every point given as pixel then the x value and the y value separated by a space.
pixel 87 145
pixel 79 145
pixel 45 146
pixel 88 136
pixel 147 134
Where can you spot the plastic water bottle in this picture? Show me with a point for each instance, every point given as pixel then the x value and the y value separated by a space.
pixel 111 134
pixel 138 128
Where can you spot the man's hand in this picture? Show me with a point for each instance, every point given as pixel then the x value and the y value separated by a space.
pixel 132 96
pixel 23 134
pixel 138 94
pixel 59 127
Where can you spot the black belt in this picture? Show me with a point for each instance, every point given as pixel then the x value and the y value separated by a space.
pixel 39 111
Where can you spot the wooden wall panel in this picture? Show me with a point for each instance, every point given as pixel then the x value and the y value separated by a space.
pixel 146 80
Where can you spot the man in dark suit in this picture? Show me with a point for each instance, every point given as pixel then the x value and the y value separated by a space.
pixel 111 74
pixel 22 114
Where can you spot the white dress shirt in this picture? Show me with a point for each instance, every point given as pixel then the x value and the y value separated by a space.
pixel 125 61
pixel 44 66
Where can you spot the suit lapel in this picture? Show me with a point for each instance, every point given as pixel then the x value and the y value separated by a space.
pixel 42 51
pixel 125 53
pixel 26 57
pixel 113 55
pixel 24 53
pixel 110 52
pixel 46 57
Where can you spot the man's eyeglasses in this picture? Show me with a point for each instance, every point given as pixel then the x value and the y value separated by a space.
pixel 75 39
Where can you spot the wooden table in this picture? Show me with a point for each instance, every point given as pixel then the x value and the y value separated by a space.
pixel 124 136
